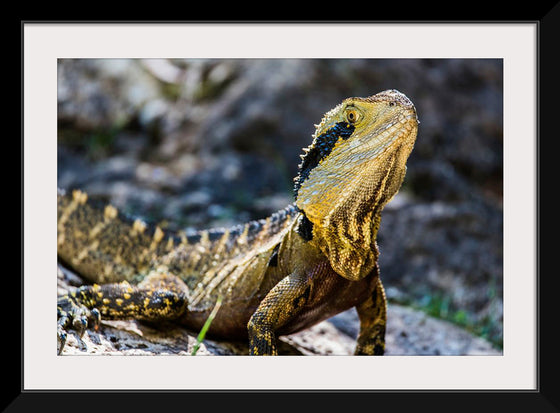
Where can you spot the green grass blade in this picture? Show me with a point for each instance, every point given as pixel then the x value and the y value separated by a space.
pixel 206 325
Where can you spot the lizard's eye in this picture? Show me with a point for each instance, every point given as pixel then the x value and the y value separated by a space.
pixel 352 115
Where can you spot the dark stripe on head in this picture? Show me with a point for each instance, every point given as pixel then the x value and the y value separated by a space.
pixel 321 148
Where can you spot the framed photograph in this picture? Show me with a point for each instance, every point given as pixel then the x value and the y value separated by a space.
pixel 188 127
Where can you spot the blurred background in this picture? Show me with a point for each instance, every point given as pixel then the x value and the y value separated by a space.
pixel 193 144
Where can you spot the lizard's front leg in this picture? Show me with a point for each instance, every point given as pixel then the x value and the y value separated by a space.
pixel 160 296
pixel 282 303
pixel 373 320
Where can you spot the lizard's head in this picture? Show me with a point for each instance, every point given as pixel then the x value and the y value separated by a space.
pixel 354 166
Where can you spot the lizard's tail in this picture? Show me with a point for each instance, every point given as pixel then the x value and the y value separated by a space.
pixel 100 244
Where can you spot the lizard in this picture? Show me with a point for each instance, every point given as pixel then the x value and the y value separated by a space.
pixel 275 276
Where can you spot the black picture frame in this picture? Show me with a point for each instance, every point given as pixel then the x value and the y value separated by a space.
pixel 543 399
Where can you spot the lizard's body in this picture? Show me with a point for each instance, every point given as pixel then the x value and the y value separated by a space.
pixel 303 264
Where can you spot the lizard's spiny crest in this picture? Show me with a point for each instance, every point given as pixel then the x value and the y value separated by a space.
pixel 320 148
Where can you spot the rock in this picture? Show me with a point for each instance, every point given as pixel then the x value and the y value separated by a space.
pixel 447 256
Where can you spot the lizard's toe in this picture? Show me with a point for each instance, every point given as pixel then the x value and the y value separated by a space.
pixel 61 339
pixel 80 324
pixel 95 318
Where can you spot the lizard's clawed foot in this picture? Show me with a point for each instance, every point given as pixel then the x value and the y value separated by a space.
pixel 73 315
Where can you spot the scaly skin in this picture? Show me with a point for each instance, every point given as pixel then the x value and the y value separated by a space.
pixel 305 263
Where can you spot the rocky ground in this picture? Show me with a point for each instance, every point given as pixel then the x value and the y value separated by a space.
pixel 200 143
pixel 409 332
